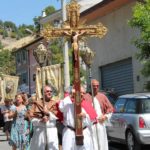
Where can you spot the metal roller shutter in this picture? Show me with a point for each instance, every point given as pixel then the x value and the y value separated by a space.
pixel 118 76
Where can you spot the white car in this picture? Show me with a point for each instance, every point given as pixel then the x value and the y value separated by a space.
pixel 130 122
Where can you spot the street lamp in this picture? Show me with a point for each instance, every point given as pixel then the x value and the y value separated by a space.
pixel 87 56
pixel 40 55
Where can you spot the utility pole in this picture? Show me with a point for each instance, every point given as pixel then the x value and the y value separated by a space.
pixel 65 49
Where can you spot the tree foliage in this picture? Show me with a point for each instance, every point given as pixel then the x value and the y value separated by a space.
pixel 49 10
pixel 22 30
pixel 10 26
pixel 141 21
pixel 37 23
pixel 9 29
pixel 7 62
pixel 56 52
pixel 1 46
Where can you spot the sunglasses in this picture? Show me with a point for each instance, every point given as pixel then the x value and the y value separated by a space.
pixel 49 91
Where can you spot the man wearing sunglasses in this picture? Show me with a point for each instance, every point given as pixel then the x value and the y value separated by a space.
pixel 45 136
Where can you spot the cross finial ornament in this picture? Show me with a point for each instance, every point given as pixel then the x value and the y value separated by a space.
pixel 74 30
pixel 72 25
pixel 73 13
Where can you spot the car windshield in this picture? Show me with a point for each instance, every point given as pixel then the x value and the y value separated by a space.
pixel 146 105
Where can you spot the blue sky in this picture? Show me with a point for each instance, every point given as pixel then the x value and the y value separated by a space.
pixel 23 11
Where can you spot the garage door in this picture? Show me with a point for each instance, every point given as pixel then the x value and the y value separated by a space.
pixel 118 76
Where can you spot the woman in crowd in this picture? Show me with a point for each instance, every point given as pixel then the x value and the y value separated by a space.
pixel 19 138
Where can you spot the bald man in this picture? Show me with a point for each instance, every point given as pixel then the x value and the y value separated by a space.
pixel 104 111
pixel 87 114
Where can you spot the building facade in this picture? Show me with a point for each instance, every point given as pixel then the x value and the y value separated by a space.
pixel 26 65
pixel 115 64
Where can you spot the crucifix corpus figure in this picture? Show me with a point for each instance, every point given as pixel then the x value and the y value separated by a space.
pixel 73 30
pixel 74 41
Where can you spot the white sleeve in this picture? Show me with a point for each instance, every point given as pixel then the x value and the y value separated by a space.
pixel 108 122
pixel 108 116
pixel 52 116
pixel 64 103
pixel 35 121
pixel 86 120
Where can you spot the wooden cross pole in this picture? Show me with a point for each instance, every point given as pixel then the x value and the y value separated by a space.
pixel 72 29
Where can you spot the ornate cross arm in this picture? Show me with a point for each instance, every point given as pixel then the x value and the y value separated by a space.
pixel 50 32
pixel 95 30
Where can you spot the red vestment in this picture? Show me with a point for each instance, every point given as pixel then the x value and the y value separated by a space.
pixel 105 104
pixel 88 107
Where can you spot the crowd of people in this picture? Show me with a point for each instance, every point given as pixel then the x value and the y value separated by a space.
pixel 47 124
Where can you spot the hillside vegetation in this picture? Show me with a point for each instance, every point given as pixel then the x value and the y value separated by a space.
pixel 11 34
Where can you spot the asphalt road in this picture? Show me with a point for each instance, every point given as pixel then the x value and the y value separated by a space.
pixel 117 146
pixel 3 143
pixel 112 146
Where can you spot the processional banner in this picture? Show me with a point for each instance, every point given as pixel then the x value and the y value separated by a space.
pixel 1 91
pixel 9 86
pixel 52 75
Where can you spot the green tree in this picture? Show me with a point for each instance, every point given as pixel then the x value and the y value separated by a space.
pixel 22 30
pixel 5 34
pixel 49 10
pixel 10 26
pixel 1 45
pixel 1 26
pixel 56 52
pixel 141 21
pixel 7 62
pixel 37 23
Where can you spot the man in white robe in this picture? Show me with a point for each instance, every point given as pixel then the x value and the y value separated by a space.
pixel 104 111
pixel 45 136
pixel 66 106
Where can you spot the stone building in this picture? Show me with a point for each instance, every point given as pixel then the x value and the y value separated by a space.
pixel 115 64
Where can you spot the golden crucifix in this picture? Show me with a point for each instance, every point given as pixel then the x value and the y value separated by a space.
pixel 72 29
